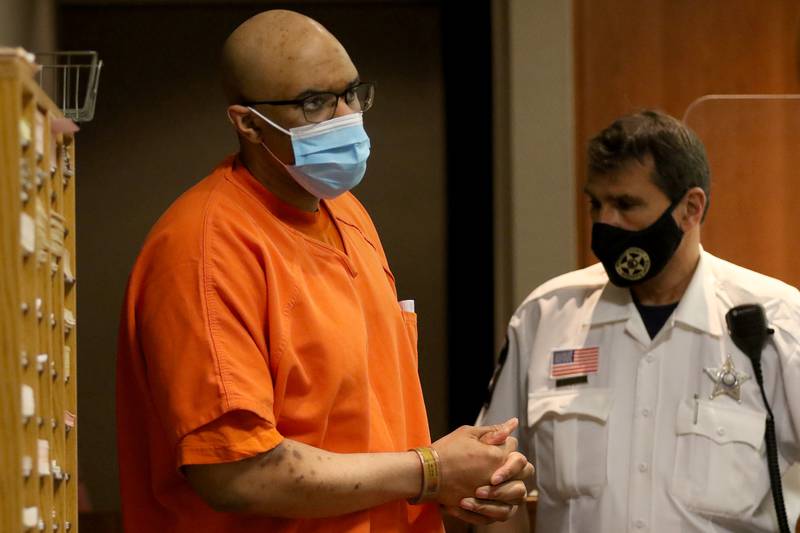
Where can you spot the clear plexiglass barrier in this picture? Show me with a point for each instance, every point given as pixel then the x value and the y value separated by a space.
pixel 753 148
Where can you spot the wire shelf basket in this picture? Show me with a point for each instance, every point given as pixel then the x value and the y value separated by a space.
pixel 71 80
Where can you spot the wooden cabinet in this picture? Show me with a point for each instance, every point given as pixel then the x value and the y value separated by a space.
pixel 38 455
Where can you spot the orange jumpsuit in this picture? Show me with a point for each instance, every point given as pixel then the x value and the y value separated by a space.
pixel 245 322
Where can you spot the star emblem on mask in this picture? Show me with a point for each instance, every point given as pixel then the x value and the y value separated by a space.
pixel 727 380
pixel 633 264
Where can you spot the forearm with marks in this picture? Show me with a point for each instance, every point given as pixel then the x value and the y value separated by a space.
pixel 295 480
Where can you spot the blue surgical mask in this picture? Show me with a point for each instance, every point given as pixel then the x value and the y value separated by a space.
pixel 330 158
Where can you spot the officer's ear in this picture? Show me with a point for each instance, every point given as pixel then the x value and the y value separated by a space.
pixel 694 206
pixel 245 123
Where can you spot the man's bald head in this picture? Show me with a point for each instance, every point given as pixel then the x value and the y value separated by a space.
pixel 278 55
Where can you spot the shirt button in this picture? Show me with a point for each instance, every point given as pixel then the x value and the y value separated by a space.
pixel 645 412
pixel 721 431
pixel 639 524
pixel 649 358
pixel 642 467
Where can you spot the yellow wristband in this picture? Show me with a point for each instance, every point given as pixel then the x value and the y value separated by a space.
pixel 431 477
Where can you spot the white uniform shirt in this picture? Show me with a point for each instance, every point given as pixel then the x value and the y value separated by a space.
pixel 632 449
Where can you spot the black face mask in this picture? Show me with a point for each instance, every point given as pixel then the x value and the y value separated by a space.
pixel 632 257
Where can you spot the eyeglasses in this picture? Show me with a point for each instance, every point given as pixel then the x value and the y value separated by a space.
pixel 319 107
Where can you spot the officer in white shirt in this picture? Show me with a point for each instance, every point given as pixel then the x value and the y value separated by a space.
pixel 640 412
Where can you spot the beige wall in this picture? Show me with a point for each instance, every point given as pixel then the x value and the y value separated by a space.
pixel 28 23
pixel 535 230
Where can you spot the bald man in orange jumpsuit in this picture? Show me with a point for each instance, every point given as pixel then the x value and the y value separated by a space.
pixel 267 375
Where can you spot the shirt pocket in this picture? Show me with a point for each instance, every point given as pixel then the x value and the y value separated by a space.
pixel 720 466
pixel 410 321
pixel 570 438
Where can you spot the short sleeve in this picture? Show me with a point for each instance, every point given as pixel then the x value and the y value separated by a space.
pixel 508 394
pixel 202 318
pixel 232 437
pixel 785 321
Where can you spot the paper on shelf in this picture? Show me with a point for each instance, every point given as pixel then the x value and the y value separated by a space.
pixel 56 233
pixel 43 447
pixel 66 260
pixel 69 321
pixel 24 133
pixel 18 51
pixel 27 230
pixel 30 517
pixel 57 472
pixel 28 402
pixel 67 362
pixel 39 120
pixel 42 237
pixel 27 465
pixel 41 359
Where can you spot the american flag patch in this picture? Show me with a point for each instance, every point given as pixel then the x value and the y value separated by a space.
pixel 576 362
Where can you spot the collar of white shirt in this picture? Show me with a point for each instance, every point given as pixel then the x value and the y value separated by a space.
pixel 698 308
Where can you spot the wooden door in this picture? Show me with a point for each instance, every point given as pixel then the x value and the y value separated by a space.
pixel 752 145
pixel 632 54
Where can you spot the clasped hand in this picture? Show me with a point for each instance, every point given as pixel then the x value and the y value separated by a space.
pixel 482 473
